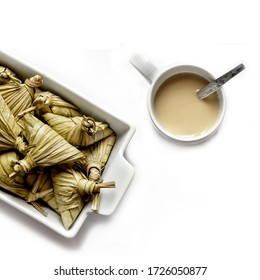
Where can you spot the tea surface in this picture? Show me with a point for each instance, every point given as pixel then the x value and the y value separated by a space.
pixel 180 111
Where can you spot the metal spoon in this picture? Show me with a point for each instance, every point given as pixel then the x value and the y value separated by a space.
pixel 215 85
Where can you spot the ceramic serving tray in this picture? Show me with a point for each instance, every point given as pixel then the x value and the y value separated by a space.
pixel 117 169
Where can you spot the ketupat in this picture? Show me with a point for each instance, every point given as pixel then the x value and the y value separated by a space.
pixel 48 102
pixel 48 147
pixel 10 132
pixel 78 131
pixel 72 191
pixel 19 96
pixel 17 185
pixel 5 74
pixel 96 157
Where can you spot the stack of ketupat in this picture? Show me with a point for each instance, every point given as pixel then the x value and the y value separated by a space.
pixel 50 153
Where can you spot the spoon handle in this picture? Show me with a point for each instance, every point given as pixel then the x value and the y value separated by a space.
pixel 215 85
pixel 229 75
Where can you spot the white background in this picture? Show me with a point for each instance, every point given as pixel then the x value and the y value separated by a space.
pixel 186 206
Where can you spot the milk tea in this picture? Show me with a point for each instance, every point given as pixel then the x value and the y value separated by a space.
pixel 178 109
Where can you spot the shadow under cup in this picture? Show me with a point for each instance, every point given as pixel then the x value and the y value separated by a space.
pixel 177 108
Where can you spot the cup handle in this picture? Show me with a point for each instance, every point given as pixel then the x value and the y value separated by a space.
pixel 145 67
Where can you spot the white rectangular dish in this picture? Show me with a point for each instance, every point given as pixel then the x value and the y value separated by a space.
pixel 117 169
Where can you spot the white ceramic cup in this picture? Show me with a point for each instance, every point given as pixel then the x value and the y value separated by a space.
pixel 156 77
